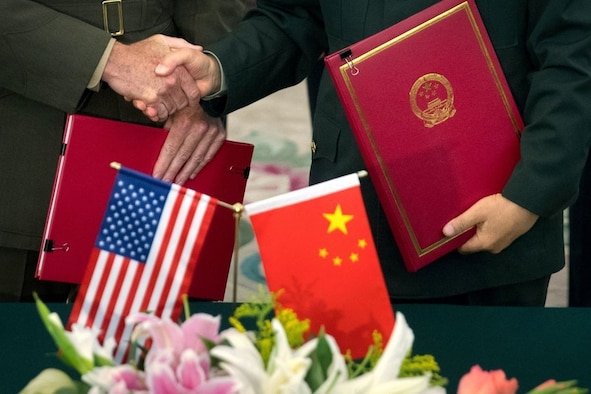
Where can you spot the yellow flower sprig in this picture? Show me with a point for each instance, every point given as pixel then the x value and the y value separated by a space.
pixel 374 352
pixel 418 365
pixel 261 310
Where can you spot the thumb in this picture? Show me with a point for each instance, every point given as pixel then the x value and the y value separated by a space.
pixel 173 60
pixel 462 223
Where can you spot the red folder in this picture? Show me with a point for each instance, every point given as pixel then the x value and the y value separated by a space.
pixel 83 184
pixel 434 119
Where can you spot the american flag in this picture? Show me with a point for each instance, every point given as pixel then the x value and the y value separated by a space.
pixel 144 256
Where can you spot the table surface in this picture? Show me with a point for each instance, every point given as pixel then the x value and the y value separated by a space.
pixel 530 344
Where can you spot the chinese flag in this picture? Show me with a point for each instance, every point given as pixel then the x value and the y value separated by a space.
pixel 316 247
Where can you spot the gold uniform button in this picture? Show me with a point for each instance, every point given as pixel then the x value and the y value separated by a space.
pixel 313 146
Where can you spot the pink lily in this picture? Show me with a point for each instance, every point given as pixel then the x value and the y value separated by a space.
pixel 167 334
pixel 114 380
pixel 178 360
pixel 191 375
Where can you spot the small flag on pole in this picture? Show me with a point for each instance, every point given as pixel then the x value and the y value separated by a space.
pixel 144 256
pixel 317 248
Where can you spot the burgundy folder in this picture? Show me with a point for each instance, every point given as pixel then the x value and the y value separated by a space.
pixel 83 184
pixel 434 119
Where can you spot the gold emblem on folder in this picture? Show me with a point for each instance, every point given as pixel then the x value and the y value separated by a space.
pixel 432 99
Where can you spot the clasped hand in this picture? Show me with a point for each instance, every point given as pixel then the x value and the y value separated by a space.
pixel 171 97
pixel 130 72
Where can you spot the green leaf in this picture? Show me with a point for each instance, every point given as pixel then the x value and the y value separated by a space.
pixel 321 360
pixel 68 352
pixel 102 361
pixel 566 387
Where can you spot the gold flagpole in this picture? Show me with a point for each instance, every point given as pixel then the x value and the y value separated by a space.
pixel 238 209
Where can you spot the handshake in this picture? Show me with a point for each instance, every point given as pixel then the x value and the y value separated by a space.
pixel 165 78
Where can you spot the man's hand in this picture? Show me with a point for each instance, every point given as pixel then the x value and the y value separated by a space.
pixel 498 222
pixel 193 139
pixel 130 72
pixel 203 68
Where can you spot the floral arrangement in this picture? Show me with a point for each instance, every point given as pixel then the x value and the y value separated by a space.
pixel 279 356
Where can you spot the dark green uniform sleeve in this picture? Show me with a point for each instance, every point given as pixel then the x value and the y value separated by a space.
pixel 557 110
pixel 47 56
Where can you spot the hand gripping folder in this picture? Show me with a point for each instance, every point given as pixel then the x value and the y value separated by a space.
pixel 83 184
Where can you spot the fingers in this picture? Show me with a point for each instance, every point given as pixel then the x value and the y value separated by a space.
pixel 173 60
pixel 190 91
pixel 178 91
pixel 203 154
pixel 212 148
pixel 498 222
pixel 182 92
pixel 164 108
pixel 460 224
pixel 130 72
pixel 192 141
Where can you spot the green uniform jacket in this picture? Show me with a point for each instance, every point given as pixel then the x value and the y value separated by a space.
pixel 545 50
pixel 47 57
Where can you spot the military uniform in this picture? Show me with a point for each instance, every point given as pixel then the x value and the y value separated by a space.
pixel 48 51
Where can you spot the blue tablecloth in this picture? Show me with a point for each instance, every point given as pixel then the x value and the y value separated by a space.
pixel 531 344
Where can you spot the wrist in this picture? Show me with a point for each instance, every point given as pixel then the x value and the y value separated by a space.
pixel 218 81
pixel 97 76
pixel 110 69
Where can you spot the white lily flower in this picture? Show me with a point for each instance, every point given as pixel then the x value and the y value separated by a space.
pixel 242 361
pixel 389 364
pixel 86 342
pixel 383 379
pixel 286 368
pixel 83 339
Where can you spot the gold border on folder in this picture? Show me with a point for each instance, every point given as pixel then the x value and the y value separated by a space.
pixel 463 7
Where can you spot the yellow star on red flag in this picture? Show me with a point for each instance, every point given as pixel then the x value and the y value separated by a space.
pixel 337 220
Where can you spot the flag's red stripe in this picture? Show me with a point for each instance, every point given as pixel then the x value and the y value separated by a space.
pixel 197 247
pixel 114 315
pixel 99 295
pixel 163 245
pixel 81 296
pixel 115 278
pixel 123 331
pixel 176 260
pixel 196 251
pixel 128 303
pixel 204 227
